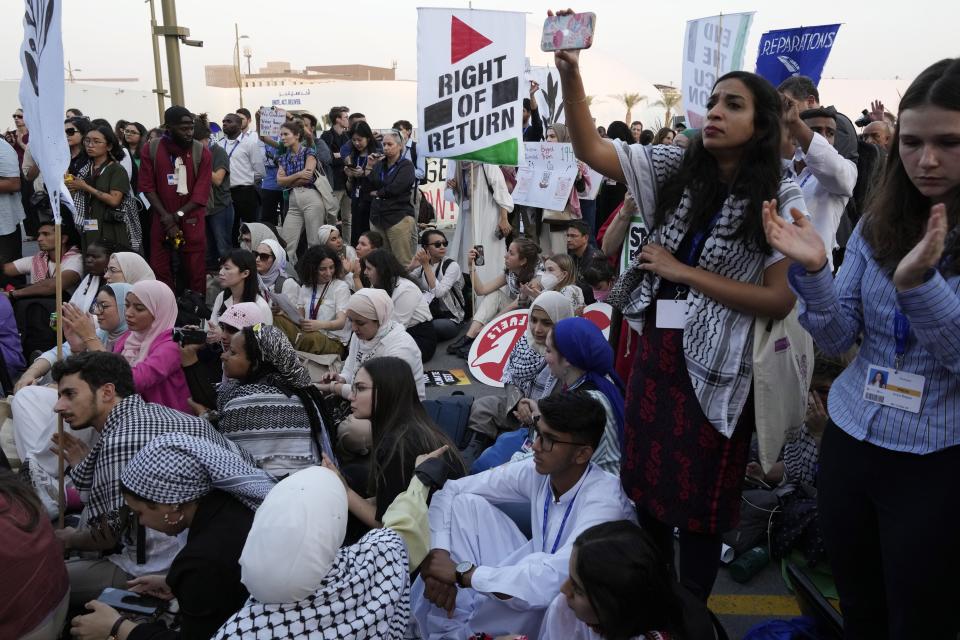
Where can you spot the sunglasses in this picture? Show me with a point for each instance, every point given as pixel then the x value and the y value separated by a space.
pixel 438 244
pixel 17 116
pixel 263 256
pixel 70 131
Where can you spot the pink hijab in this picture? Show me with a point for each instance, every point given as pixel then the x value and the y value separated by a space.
pixel 162 304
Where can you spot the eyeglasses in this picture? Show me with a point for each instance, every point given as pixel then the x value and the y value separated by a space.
pixel 547 441
pixel 70 131
pixel 266 257
pixel 99 307
pixel 438 244
pixel 18 116
pixel 358 387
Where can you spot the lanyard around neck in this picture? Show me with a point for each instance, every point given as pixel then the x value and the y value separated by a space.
pixel 566 514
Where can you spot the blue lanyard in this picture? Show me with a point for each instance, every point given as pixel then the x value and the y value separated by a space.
pixel 700 239
pixel 390 172
pixel 235 145
pixel 901 332
pixel 566 514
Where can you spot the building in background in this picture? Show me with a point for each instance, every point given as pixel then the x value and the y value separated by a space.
pixel 281 74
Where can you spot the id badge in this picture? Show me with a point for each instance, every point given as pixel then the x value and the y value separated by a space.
pixel 91 224
pixel 892 388
pixel 672 314
pixel 171 179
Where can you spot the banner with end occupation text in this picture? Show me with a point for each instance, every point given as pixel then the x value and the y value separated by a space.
pixel 712 47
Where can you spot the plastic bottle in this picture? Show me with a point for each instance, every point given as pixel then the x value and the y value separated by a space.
pixel 749 564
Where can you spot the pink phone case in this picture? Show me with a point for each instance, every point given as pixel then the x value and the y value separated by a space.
pixel 568 32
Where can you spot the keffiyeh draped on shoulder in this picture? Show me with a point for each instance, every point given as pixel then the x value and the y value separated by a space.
pixel 717 340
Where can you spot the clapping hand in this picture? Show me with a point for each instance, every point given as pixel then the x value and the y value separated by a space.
pixel 798 241
pixel 925 254
pixel 74 450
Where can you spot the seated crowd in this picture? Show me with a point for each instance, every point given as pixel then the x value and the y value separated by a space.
pixel 246 435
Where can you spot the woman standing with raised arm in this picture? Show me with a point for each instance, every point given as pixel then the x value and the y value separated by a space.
pixel 698 286
pixel 889 455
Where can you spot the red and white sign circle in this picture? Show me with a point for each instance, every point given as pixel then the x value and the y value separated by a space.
pixel 599 313
pixel 492 347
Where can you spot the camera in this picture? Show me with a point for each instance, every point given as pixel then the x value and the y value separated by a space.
pixel 863 120
pixel 186 335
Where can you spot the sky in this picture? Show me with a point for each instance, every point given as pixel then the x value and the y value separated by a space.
pixel 634 41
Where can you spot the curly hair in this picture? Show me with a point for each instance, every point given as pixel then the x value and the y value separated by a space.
pixel 310 263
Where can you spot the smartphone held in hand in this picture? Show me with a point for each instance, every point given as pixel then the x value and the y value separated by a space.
pixel 479 261
pixel 568 32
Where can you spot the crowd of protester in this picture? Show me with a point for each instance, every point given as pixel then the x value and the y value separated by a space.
pixel 247 320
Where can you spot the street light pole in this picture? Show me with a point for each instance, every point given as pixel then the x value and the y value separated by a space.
pixel 238 71
pixel 172 41
pixel 158 72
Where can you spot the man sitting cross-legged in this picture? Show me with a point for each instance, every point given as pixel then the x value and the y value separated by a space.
pixel 482 573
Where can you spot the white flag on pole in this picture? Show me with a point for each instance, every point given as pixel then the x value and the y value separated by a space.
pixel 41 96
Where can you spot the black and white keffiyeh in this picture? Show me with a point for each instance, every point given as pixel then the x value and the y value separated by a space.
pixel 365 595
pixel 176 468
pixel 717 340
pixel 129 427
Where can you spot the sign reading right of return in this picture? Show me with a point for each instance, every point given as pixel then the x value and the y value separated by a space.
pixel 470 67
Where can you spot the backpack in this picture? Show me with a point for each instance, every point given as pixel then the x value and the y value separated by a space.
pixel 413 159
pixel 197 153
pixel 427 213
pixel 451 413
pixel 437 307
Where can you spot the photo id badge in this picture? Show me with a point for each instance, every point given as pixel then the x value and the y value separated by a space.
pixel 672 314
pixel 892 388
pixel 172 179
pixel 91 224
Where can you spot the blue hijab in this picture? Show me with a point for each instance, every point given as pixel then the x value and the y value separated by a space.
pixel 582 344
pixel 120 291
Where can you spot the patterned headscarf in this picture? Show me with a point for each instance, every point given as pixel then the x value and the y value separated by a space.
pixel 278 267
pixel 162 305
pixel 276 350
pixel 175 468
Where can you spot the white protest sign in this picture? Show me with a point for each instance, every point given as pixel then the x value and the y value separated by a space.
pixel 712 47
pixel 549 96
pixel 547 175
pixel 271 120
pixel 633 242
pixel 595 181
pixel 436 177
pixel 470 68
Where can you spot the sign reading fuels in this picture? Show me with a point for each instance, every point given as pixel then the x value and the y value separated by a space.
pixel 468 86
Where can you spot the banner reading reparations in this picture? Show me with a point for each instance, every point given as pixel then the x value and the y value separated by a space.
pixel 470 67
pixel 795 52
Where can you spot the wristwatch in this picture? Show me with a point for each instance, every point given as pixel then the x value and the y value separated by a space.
pixel 461 570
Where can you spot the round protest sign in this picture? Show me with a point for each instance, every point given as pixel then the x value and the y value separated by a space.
pixel 599 313
pixel 491 349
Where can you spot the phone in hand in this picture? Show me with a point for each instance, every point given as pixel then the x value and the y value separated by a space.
pixel 131 602
pixel 479 260
pixel 568 32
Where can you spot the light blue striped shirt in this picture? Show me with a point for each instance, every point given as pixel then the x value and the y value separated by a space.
pixel 864 299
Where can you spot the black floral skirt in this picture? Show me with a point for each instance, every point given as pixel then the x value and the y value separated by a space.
pixel 675 465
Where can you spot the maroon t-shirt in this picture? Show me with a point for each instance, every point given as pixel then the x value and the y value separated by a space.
pixel 34 575
pixel 153 176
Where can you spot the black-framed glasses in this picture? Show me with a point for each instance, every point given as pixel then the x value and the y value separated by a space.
pixel 438 244
pixel 70 131
pixel 263 256
pixel 547 441
pixel 99 307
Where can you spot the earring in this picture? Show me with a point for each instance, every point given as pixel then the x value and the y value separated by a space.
pixel 166 519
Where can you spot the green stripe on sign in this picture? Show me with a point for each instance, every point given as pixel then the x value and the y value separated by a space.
pixel 506 152
pixel 768 606
pixel 736 59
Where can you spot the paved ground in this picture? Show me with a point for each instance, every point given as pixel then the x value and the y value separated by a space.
pixel 739 607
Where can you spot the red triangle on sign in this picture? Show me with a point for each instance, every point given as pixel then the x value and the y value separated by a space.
pixel 464 40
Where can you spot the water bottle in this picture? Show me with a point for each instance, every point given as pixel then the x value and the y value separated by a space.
pixel 749 564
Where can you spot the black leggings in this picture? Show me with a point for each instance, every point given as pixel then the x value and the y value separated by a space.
pixel 699 554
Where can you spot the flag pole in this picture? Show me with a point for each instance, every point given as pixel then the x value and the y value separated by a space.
pixel 61 497
pixel 719 40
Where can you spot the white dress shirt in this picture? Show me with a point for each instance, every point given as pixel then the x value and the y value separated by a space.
pixel 827 183
pixel 246 160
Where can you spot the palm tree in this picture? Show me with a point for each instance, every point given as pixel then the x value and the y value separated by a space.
pixel 630 100
pixel 669 100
